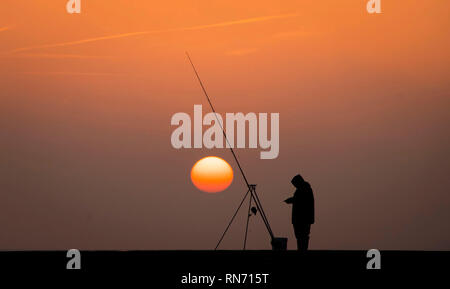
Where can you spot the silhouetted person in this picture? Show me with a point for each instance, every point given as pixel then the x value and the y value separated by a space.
pixel 302 211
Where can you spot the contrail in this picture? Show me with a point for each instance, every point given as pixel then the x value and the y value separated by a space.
pixel 130 34
pixel 4 29
pixel 54 56
pixel 71 73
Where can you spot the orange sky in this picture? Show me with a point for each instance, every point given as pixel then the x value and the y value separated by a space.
pixel 86 102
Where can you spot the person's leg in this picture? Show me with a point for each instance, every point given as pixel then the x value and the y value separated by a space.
pixel 297 235
pixel 305 243
pixel 307 230
pixel 299 244
pixel 302 234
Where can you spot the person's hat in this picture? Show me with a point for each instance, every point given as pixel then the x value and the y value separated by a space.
pixel 297 180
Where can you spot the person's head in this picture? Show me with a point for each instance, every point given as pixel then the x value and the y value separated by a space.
pixel 297 181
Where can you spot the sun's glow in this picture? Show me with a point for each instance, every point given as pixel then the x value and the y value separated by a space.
pixel 212 174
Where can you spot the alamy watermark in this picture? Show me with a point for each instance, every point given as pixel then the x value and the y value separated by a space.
pixel 73 6
pixel 373 6
pixel 235 129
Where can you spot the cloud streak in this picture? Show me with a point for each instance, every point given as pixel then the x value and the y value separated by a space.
pixel 54 56
pixel 71 73
pixel 148 32
pixel 240 52
pixel 4 29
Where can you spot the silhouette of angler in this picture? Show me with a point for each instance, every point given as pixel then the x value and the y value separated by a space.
pixel 302 211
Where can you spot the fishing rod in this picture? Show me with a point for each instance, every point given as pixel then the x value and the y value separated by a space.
pixel 251 187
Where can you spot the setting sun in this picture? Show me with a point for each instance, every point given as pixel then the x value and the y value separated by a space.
pixel 211 174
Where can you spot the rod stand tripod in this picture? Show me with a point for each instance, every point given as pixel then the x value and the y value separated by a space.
pixel 277 243
pixel 249 212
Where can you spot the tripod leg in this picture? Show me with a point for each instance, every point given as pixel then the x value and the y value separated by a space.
pixel 231 221
pixel 262 213
pixel 248 219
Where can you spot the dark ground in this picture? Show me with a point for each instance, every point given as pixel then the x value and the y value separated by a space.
pixel 167 268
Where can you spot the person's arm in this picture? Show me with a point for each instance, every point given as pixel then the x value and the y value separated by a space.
pixel 289 200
